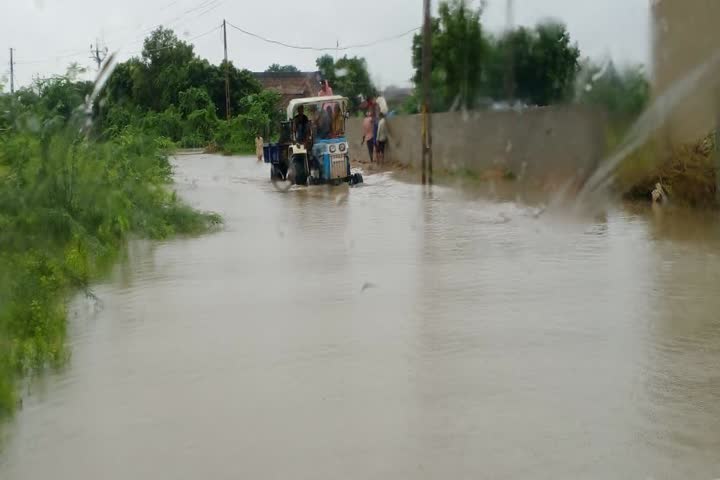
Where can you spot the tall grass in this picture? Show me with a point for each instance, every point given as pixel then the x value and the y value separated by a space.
pixel 67 205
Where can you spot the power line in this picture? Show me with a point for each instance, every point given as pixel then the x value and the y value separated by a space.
pixel 214 29
pixel 94 58
pixel 324 49
pixel 216 3
pixel 173 23
pixel 52 59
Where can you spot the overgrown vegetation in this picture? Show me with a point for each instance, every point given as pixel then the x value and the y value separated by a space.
pixel 535 66
pixel 541 66
pixel 348 76
pixel 170 92
pixel 71 193
pixel 75 184
pixel 472 68
pixel 687 172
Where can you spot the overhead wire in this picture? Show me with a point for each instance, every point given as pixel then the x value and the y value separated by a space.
pixel 52 59
pixel 203 4
pixel 214 29
pixel 323 49
pixel 210 5
pixel 172 23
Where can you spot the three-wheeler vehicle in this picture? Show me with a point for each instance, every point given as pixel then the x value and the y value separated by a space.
pixel 312 148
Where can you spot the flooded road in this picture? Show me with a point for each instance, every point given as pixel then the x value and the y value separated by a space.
pixel 379 332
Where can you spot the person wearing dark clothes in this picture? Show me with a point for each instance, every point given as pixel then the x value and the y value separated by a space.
pixel 300 124
pixel 324 126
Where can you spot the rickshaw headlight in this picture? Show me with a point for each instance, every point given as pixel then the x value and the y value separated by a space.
pixel 332 148
pixel 343 147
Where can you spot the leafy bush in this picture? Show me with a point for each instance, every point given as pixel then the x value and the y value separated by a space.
pixel 67 204
pixel 167 124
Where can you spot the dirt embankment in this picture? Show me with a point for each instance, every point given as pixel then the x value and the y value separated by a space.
pixel 687 176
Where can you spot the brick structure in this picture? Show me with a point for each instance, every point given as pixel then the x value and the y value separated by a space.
pixel 290 85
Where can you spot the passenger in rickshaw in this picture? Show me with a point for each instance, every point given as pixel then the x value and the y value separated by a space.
pixel 337 124
pixel 300 124
pixel 324 124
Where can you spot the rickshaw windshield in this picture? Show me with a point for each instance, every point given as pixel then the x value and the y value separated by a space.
pixel 329 120
pixel 326 115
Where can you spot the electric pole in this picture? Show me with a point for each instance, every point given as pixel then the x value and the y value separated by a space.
pixel 227 74
pixel 510 59
pixel 426 113
pixel 97 55
pixel 510 14
pixel 12 72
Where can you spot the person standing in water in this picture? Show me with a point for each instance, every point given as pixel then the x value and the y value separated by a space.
pixel 259 146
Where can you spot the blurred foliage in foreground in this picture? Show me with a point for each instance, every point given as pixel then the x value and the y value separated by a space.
pixel 471 67
pixel 69 198
pixel 530 66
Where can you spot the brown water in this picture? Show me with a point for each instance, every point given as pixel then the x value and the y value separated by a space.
pixel 381 332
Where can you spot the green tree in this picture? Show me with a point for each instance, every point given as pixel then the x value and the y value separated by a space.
pixel 61 95
pixel 459 49
pixel 277 68
pixel 165 61
pixel 195 98
pixel 119 89
pixel 623 93
pixel 544 64
pixel 211 77
pixel 261 114
pixel 348 77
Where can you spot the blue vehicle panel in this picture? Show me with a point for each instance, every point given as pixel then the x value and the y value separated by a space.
pixel 271 153
pixel 322 151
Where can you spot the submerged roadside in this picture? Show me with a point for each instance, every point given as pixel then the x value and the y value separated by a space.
pixel 68 204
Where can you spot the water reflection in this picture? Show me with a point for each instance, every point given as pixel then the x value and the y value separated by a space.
pixel 681 379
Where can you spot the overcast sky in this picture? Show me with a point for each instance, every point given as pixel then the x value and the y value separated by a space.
pixel 49 34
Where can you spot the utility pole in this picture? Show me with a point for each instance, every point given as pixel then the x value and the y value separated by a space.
pixel 97 55
pixel 426 113
pixel 227 74
pixel 510 59
pixel 12 72
pixel 510 14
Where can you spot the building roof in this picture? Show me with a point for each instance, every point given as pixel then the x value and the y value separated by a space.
pixel 397 93
pixel 290 84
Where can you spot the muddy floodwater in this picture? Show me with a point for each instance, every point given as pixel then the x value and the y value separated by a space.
pixel 382 332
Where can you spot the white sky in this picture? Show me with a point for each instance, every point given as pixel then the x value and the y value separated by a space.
pixel 49 34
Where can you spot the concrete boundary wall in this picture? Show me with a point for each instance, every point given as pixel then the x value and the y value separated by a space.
pixel 542 142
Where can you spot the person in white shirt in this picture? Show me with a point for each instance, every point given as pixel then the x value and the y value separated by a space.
pixel 381 138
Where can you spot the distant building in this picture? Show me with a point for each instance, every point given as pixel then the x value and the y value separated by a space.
pixel 396 96
pixel 290 85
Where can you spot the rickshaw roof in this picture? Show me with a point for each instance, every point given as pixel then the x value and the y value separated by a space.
pixel 296 102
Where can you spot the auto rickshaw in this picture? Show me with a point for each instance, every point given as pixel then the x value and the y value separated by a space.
pixel 313 148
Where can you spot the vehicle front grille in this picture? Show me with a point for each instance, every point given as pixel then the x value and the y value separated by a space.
pixel 338 167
